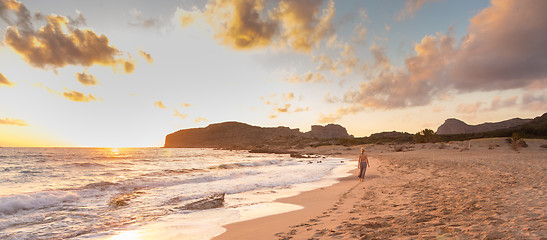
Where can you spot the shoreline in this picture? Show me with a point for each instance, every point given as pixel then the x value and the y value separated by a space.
pixel 479 189
pixel 311 202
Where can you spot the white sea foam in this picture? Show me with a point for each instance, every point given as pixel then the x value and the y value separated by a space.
pixel 95 193
pixel 13 204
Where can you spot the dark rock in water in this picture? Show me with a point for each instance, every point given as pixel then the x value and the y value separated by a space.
pixel 124 199
pixel 214 201
pixel 298 155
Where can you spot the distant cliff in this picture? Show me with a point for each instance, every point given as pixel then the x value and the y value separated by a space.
pixel 328 131
pixel 243 136
pixel 455 126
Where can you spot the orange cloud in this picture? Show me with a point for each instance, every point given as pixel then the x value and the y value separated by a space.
pixel 178 114
pixel 187 17
pixel 146 56
pixel 360 33
pixel 128 67
pixel 303 26
pixel 535 101
pixel 284 108
pixel 86 79
pixel 78 96
pixel 159 104
pixel 498 103
pixel 241 23
pixel 411 7
pixel 469 108
pixel 282 104
pixel 247 24
pixel 4 80
pixel 200 119
pixel 59 43
pixel 344 65
pixel 308 77
pixel 328 118
pixel 17 122
pixel 299 109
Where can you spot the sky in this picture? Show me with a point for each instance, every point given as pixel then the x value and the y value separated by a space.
pixel 127 73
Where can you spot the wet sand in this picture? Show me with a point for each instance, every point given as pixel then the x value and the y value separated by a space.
pixel 427 191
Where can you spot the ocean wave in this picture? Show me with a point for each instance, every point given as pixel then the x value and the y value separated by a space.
pixel 123 199
pixel 248 164
pixel 85 164
pixel 100 185
pixel 12 204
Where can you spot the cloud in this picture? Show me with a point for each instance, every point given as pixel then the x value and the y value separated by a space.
pixel 299 109
pixel 4 80
pixel 302 24
pixel 86 79
pixel 498 103
pixel 282 104
pixel 200 119
pixel 468 108
pixel 57 44
pixel 340 112
pixel 504 49
pixel 78 96
pixel 343 65
pixel 21 13
pixel 159 104
pixel 178 114
pixel 143 21
pixel 128 67
pixel 380 58
pixel 535 102
pixel 308 77
pixel 360 34
pixel 17 122
pixel 328 118
pixel 284 108
pixel 185 105
pixel 287 96
pixel 247 24
pixel 411 7
pixel 187 17
pixel 146 56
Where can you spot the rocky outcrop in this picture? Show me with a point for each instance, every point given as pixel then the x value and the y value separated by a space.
pixel 328 131
pixel 455 126
pixel 213 201
pixel 236 135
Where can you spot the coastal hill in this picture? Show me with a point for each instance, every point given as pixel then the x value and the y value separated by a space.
pixel 236 135
pixel 455 126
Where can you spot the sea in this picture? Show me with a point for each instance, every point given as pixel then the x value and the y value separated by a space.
pixel 140 193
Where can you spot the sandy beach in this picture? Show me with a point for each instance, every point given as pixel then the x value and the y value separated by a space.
pixel 479 189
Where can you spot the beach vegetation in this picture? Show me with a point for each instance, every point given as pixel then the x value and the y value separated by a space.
pixel 424 136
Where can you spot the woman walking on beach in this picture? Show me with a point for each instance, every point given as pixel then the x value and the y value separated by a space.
pixel 362 164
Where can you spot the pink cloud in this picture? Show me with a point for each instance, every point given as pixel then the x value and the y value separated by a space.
pixel 504 49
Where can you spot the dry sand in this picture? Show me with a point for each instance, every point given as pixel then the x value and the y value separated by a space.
pixel 428 191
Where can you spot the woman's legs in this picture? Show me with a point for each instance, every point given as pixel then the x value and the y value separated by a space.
pixel 362 172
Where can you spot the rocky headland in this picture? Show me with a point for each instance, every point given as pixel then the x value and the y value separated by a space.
pixel 236 135
pixel 455 126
